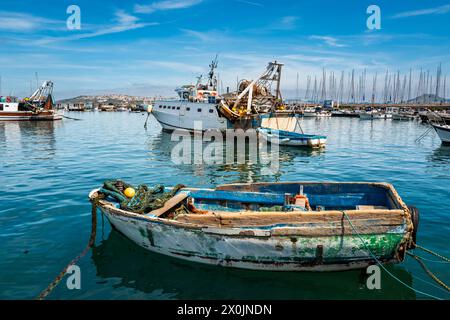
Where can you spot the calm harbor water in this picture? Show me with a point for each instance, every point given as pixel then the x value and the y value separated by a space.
pixel 47 170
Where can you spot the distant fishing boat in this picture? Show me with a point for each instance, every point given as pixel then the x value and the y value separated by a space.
pixel 309 112
pixel 373 115
pixel 286 131
pixel 38 107
pixel 404 114
pixel 344 113
pixel 288 226
pixel 322 113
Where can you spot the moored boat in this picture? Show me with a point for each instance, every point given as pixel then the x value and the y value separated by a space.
pixel 443 131
pixel 309 112
pixel 288 226
pixel 38 107
pixel 287 131
pixel 373 115
pixel 202 105
pixel 403 116
pixel 294 139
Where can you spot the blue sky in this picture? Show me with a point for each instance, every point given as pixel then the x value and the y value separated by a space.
pixel 148 47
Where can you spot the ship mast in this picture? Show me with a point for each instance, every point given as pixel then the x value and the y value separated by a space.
pixel 212 80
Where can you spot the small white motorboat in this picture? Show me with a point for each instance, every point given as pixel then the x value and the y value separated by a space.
pixel 287 131
pixel 287 138
pixel 443 132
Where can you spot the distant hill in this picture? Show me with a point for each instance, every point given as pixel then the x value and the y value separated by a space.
pixel 107 99
pixel 428 98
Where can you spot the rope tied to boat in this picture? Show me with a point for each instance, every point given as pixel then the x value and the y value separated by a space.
pixel 428 271
pixel 381 265
pixel 70 118
pixel 432 253
pixel 90 244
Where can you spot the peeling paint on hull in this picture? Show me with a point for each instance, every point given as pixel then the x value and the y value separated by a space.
pixel 258 249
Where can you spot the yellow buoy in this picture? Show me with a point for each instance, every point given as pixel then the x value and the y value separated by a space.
pixel 129 192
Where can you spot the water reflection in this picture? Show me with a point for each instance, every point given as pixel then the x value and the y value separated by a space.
pixel 119 258
pixel 440 156
pixel 160 148
pixel 29 137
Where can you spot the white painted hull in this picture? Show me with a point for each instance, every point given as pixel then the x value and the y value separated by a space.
pixel 443 133
pixel 255 249
pixel 323 115
pixel 373 116
pixel 25 116
pixel 309 114
pixel 186 115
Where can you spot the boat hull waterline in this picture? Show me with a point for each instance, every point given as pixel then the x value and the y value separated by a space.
pixel 29 116
pixel 313 241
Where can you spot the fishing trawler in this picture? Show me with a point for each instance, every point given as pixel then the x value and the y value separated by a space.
pixel 201 105
pixel 39 106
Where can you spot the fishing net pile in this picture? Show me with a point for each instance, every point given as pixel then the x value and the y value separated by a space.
pixel 144 200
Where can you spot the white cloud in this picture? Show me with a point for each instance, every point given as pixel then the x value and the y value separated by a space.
pixel 125 22
pixel 252 3
pixel 288 22
pixel 165 5
pixel 203 36
pixel 437 10
pixel 331 41
pixel 20 22
pixel 125 18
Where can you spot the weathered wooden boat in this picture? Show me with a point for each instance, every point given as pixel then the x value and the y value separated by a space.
pixel 295 139
pixel 288 226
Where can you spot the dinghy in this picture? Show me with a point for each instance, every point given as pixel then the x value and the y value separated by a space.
pixel 286 138
pixel 287 131
pixel 288 226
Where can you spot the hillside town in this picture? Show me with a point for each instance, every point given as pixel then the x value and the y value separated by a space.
pixel 109 102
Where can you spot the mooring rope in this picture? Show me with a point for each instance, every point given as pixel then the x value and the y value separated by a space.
pixel 90 244
pixel 381 265
pixel 432 253
pixel 428 271
pixel 423 135
pixel 146 120
pixel 76 119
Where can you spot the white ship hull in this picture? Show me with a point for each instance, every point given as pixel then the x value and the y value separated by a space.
pixel 29 116
pixel 443 132
pixel 191 116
